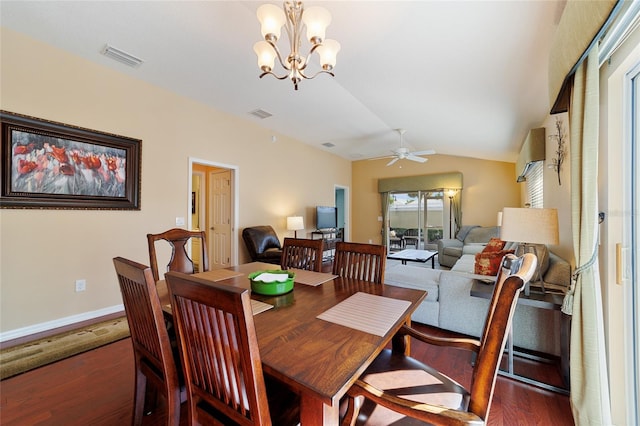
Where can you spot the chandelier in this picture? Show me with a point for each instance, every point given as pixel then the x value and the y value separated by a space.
pixel 294 18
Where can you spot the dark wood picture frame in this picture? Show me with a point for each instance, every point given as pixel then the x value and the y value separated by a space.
pixel 50 165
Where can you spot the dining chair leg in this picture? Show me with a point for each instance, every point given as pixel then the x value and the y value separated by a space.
pixel 140 402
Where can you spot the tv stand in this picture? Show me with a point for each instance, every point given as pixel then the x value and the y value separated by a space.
pixel 330 237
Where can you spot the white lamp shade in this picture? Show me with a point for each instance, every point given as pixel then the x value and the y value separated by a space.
pixel 328 52
pixel 271 19
pixel 316 19
pixel 295 223
pixel 528 225
pixel 266 55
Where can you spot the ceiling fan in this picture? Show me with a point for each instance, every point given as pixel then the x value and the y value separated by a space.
pixel 403 153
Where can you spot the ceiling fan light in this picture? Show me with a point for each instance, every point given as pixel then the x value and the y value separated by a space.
pixel 266 55
pixel 316 19
pixel 271 20
pixel 328 52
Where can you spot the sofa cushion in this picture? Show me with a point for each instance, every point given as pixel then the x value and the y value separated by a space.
pixel 488 263
pixel 543 262
pixel 494 244
pixel 417 277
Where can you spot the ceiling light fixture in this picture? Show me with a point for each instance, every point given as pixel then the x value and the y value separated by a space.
pixel 295 18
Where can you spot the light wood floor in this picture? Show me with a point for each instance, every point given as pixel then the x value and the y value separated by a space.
pixel 96 388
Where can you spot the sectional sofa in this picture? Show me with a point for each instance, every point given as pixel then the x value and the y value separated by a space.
pixel 449 304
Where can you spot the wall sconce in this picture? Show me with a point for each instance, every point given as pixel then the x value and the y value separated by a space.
pixel 560 153
pixel 295 223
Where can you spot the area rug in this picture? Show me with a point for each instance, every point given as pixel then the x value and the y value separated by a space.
pixel 25 357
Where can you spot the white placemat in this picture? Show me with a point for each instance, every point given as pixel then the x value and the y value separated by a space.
pixel 311 278
pixel 258 306
pixel 367 312
pixel 218 274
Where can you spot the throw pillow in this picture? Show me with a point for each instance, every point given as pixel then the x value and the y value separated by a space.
pixel 494 244
pixel 488 263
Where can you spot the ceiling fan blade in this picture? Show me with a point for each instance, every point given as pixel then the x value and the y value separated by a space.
pixel 380 158
pixel 425 152
pixel 414 158
pixel 392 161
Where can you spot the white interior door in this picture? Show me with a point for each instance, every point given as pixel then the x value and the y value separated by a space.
pixel 220 214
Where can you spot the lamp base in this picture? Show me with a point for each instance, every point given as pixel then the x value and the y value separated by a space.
pixel 531 248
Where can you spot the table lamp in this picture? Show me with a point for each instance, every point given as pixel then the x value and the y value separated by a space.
pixel 530 226
pixel 295 223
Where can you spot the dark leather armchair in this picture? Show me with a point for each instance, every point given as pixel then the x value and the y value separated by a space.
pixel 263 244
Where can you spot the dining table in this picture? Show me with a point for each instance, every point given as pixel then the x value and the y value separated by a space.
pixel 321 336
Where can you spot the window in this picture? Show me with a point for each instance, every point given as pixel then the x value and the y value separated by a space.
pixel 535 185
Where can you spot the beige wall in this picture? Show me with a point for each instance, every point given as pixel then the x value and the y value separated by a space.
pixel 488 187
pixel 43 252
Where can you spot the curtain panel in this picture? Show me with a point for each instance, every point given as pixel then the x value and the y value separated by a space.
pixel 589 378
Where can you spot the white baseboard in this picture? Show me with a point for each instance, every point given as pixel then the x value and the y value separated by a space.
pixel 61 322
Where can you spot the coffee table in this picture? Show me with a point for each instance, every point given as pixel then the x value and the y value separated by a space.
pixel 412 255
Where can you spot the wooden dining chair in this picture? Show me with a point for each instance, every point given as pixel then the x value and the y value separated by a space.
pixel 360 261
pixel 221 357
pixel 154 359
pixel 301 253
pixel 179 260
pixel 397 389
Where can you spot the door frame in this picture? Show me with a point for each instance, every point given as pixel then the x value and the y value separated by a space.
pixel 347 228
pixel 235 191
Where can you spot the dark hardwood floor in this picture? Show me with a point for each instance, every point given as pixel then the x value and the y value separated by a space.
pixel 96 388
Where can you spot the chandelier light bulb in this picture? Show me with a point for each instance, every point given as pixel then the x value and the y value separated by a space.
pixel 266 55
pixel 316 19
pixel 328 51
pixel 271 20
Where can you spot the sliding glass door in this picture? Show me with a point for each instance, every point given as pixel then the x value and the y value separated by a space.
pixel 415 220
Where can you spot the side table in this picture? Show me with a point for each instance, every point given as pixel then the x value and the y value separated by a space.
pixel 551 301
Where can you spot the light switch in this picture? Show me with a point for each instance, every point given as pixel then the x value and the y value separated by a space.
pixel 179 221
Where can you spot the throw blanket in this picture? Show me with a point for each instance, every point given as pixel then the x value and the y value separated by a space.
pixel 462 233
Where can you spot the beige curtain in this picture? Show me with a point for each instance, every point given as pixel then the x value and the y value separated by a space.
pixel 589 381
pixel 384 206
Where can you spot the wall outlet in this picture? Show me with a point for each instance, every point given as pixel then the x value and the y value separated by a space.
pixel 81 285
pixel 180 221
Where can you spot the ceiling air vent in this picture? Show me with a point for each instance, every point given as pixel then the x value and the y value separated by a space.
pixel 121 56
pixel 260 113
pixel 328 145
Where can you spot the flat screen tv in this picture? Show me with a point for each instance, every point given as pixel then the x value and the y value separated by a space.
pixel 326 217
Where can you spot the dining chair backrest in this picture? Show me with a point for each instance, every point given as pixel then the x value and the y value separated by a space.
pixel 154 359
pixel 360 261
pixel 219 351
pixel 179 260
pixel 514 273
pixel 301 253
pixel 400 388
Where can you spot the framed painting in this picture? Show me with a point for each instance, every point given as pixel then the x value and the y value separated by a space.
pixel 53 165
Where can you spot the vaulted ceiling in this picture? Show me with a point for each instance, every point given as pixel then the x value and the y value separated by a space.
pixel 464 78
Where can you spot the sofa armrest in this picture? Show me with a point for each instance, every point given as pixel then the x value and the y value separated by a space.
pixel 448 242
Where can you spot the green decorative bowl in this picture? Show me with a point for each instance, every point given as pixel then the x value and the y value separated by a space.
pixel 269 286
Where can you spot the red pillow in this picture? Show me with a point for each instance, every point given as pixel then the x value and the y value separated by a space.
pixel 494 244
pixel 488 263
